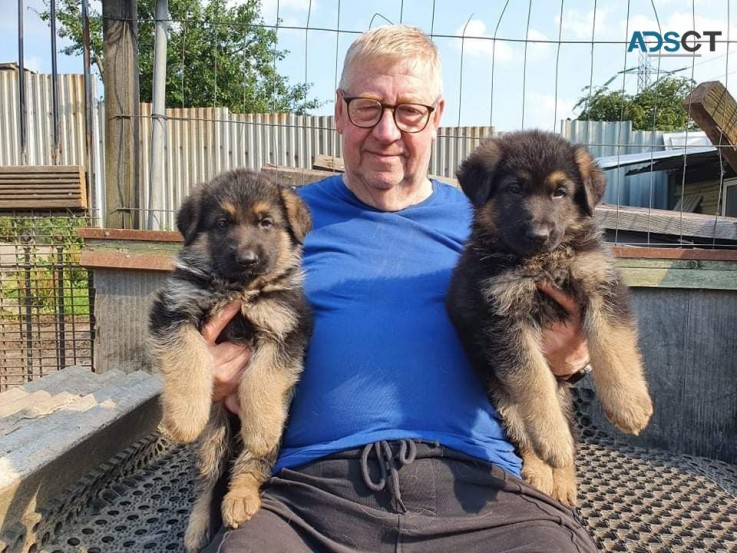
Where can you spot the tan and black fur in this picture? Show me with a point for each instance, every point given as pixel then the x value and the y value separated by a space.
pixel 534 195
pixel 243 240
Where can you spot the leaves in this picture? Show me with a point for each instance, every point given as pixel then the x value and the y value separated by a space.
pixel 216 55
pixel 659 106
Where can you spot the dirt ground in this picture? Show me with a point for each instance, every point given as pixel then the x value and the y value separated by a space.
pixel 23 358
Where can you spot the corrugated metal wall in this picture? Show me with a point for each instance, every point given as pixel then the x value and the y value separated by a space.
pixel 39 120
pixel 201 142
pixel 605 138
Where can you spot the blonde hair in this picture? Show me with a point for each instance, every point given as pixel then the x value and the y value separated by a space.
pixel 396 43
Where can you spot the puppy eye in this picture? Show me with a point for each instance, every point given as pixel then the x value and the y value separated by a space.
pixel 515 188
pixel 560 192
pixel 266 222
pixel 222 222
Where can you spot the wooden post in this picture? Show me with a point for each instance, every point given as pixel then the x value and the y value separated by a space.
pixel 715 112
pixel 122 111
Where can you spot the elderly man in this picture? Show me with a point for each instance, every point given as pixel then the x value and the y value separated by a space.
pixel 391 442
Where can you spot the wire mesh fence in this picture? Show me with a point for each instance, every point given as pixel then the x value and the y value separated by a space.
pixel 46 297
pixel 602 73
pixel 253 83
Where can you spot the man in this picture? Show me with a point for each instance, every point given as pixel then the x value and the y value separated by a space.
pixel 391 442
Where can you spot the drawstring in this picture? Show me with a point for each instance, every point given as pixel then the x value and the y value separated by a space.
pixel 388 467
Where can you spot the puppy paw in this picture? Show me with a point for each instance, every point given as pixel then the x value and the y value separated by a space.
pixel 564 486
pixel 539 476
pixel 555 446
pixel 239 506
pixel 196 537
pixel 632 413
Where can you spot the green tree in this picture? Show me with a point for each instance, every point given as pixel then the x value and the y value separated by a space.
pixel 216 56
pixel 659 106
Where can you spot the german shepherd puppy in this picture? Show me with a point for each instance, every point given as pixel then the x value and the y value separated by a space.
pixel 243 240
pixel 534 195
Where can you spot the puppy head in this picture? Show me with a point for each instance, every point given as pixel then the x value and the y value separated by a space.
pixel 242 226
pixel 531 190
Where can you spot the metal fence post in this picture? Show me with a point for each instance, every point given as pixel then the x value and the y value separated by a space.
pixel 26 237
pixel 61 353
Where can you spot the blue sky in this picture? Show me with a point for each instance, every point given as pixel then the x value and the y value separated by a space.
pixel 532 88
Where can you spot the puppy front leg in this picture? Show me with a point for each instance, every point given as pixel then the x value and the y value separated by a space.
pixel 617 367
pixel 213 456
pixel 533 389
pixel 187 369
pixel 264 394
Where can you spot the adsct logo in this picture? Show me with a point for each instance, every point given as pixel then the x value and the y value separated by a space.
pixel 672 44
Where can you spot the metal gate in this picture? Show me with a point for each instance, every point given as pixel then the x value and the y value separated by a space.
pixel 46 297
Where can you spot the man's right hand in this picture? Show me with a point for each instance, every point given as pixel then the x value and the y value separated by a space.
pixel 229 359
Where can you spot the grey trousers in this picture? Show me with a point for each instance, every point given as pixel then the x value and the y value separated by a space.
pixel 404 497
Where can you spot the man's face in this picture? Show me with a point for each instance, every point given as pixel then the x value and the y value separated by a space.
pixel 387 168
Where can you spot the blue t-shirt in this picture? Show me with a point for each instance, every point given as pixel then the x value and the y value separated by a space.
pixel 384 362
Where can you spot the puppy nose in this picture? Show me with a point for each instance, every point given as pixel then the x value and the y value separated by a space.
pixel 246 257
pixel 539 235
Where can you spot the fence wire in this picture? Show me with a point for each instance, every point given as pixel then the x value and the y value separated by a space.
pixel 496 55
pixel 507 65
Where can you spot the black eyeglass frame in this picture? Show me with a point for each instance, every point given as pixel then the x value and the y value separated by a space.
pixel 393 108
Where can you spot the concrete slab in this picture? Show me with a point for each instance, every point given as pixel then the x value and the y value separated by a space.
pixel 42 457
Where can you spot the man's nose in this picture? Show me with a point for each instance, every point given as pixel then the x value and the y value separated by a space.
pixel 386 129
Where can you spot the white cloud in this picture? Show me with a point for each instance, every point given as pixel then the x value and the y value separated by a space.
pixel 479 43
pixel 542 111
pixel 580 25
pixel 538 50
pixel 288 9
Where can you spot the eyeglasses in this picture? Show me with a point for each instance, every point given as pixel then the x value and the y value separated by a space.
pixel 367 112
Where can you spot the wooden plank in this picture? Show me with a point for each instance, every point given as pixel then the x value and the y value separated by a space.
pixel 39 205
pixel 95 259
pixel 640 252
pixel 703 279
pixel 329 163
pixel 715 112
pixel 129 234
pixel 40 169
pixel 43 187
pixel 662 221
pixel 290 176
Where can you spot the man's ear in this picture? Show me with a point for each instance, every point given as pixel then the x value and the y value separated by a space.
pixel 476 174
pixel 298 216
pixel 188 216
pixel 593 179
pixel 436 116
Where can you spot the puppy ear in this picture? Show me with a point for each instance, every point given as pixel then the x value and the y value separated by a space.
pixel 188 216
pixel 476 174
pixel 298 215
pixel 594 181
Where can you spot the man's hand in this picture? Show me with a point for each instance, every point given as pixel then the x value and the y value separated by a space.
pixel 229 359
pixel 564 345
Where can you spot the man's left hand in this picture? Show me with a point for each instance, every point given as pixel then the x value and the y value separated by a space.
pixel 564 345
